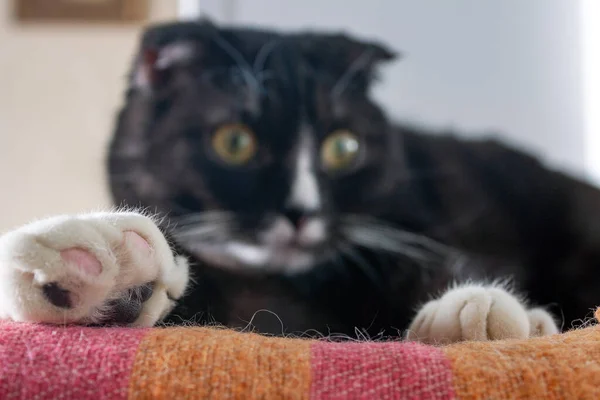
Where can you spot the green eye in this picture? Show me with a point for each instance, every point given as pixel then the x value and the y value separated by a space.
pixel 234 144
pixel 339 150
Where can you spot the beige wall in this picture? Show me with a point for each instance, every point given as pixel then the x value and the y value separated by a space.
pixel 60 86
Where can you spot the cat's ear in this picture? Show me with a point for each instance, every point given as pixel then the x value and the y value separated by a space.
pixel 168 49
pixel 341 53
pixel 155 66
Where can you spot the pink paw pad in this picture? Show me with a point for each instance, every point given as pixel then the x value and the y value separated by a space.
pixel 137 242
pixel 83 260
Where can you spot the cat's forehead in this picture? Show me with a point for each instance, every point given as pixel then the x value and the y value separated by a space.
pixel 242 55
pixel 274 82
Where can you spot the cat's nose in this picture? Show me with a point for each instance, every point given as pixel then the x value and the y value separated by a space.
pixel 296 216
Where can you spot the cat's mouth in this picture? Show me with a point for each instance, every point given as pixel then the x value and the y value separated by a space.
pixel 280 247
pixel 250 256
pixel 290 258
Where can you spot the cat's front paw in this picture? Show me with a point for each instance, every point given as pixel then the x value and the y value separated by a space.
pixel 98 268
pixel 475 312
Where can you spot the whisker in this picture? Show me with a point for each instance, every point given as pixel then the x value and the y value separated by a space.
pixel 264 76
pixel 239 59
pixel 369 224
pixel 206 216
pixel 207 226
pixel 197 231
pixel 263 54
pixel 360 63
pixel 463 221
pixel 361 263
pixel 383 238
pixel 334 255
pixel 374 240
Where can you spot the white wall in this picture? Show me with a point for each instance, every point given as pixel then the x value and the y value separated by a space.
pixel 60 86
pixel 590 38
pixel 509 65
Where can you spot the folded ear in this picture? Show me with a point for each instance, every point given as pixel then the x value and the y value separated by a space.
pixel 167 48
pixel 340 54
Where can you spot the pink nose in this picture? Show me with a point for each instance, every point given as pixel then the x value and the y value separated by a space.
pixel 296 216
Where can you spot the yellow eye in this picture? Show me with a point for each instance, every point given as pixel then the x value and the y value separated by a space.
pixel 234 144
pixel 339 150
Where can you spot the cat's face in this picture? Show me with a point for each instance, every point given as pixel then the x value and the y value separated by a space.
pixel 261 146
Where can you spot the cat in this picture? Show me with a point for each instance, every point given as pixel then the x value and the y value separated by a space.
pixel 302 208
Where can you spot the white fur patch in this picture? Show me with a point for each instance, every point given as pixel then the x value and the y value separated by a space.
pixel 168 56
pixel 312 232
pixel 288 260
pixel 305 190
pixel 248 254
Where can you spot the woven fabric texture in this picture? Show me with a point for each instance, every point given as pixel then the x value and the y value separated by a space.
pixel 49 362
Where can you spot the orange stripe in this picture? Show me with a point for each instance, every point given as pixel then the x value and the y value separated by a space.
pixel 555 367
pixel 180 363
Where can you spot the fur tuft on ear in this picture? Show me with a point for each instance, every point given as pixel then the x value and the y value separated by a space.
pixel 167 46
pixel 153 65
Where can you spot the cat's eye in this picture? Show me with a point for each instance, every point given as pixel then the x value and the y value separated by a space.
pixel 339 150
pixel 234 143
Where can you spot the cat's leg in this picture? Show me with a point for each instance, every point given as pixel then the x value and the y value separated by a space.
pixel 478 312
pixel 94 268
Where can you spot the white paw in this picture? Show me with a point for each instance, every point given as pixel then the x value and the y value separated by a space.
pixel 89 269
pixel 475 312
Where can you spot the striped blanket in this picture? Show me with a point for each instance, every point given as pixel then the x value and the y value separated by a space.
pixel 46 362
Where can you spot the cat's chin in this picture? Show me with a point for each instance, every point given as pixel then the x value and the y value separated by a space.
pixel 251 257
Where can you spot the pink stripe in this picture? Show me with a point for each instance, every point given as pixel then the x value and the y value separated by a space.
pixel 379 371
pixel 45 362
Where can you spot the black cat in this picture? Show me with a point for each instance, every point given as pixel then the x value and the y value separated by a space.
pixel 291 191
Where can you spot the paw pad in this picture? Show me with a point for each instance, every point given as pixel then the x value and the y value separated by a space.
pixel 127 308
pixel 57 296
pixel 83 260
pixel 138 242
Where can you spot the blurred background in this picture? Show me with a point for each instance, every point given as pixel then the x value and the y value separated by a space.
pixel 527 70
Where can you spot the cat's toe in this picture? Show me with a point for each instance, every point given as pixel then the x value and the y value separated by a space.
pixel 476 313
pixel 541 323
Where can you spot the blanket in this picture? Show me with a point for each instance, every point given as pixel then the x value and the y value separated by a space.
pixel 50 362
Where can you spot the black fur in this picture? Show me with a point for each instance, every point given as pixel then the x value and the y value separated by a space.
pixel 499 212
